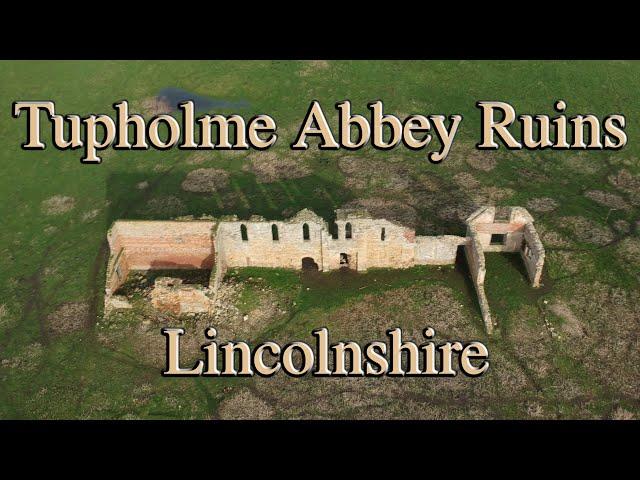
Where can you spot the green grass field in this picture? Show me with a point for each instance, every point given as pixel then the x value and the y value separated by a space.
pixel 568 350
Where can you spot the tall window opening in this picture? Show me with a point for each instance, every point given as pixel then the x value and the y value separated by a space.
pixel 305 232
pixel 347 231
pixel 383 234
pixel 274 233
pixel 243 233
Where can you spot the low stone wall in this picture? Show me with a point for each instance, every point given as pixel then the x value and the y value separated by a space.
pixel 533 255
pixel 440 250
pixel 117 271
pixel 475 258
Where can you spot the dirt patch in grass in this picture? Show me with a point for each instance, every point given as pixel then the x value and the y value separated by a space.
pixel 309 67
pixel 610 317
pixel 69 317
pixel 581 164
pixel 151 106
pixel 245 405
pixel 552 238
pixel 58 204
pixel 542 204
pixel 205 180
pixel 482 161
pixel 571 324
pixel 269 167
pixel 585 230
pixel 456 212
pixel 236 320
pixel 198 158
pixel 607 199
pixel 7 318
pixel 90 215
pixel 142 185
pixel 622 226
pixel 390 209
pixel 27 360
pixel 165 205
pixel 622 414
pixel 466 180
pixel 628 251
pixel 628 183
pixel 463 150
pixel 376 175
pixel 491 195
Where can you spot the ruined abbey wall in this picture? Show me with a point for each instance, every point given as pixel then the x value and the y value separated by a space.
pixel 361 243
pixel 155 245
pixel 532 253
pixel 261 250
pixel 367 248
pixel 163 244
pixel 437 250
pixel 372 243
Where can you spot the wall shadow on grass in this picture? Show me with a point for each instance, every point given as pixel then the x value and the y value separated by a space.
pixel 141 196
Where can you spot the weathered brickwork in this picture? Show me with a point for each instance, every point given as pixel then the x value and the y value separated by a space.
pixel 358 242
pixel 155 245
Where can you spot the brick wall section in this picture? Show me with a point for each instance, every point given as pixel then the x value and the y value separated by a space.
pixel 154 245
pixel 150 245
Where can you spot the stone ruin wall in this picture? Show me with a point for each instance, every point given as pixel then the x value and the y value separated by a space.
pixel 366 248
pixel 438 250
pixel 155 245
pixel 147 245
pixel 533 254
pixel 519 236
pixel 260 250
pixel 475 259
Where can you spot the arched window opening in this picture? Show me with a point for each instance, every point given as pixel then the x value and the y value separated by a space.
pixel 305 232
pixel 347 231
pixel 274 233
pixel 333 230
pixel 243 233
pixel 383 234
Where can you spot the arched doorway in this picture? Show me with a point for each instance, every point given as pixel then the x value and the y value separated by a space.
pixel 309 264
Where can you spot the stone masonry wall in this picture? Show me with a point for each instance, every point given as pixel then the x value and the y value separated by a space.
pixel 440 250
pixel 261 250
pixel 475 259
pixel 366 247
pixel 533 254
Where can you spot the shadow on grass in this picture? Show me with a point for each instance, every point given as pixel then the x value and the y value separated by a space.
pixel 139 196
